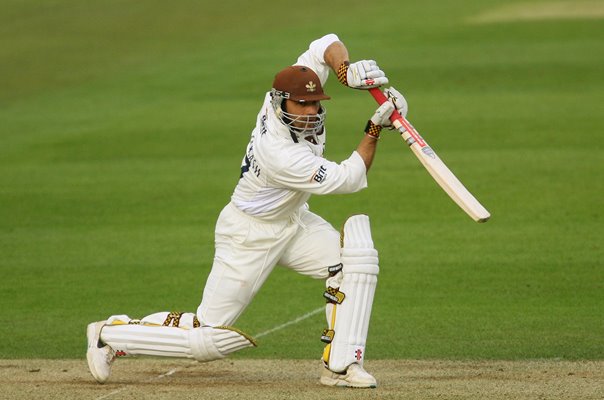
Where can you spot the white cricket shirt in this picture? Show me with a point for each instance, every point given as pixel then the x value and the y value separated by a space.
pixel 279 175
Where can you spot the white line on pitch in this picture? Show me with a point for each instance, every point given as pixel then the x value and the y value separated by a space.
pixel 110 394
pixel 275 329
pixel 172 371
pixel 292 322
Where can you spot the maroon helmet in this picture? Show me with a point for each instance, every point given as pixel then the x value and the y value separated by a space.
pixel 299 83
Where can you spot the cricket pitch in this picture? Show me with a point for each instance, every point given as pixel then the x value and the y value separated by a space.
pixel 146 378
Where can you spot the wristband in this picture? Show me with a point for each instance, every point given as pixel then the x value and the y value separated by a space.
pixel 342 72
pixel 373 130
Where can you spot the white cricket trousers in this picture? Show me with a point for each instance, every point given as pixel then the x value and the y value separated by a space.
pixel 247 250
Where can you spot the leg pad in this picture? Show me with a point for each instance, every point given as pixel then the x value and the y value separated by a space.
pixel 172 335
pixel 348 319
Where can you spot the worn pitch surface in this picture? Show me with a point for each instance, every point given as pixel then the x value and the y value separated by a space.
pixel 298 379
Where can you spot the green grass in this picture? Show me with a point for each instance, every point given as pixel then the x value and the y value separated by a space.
pixel 122 127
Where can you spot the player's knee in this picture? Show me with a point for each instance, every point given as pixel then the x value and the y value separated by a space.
pixel 212 343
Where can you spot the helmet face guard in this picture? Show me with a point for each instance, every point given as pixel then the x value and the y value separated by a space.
pixel 301 127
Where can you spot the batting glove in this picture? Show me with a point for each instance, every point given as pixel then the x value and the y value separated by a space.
pixel 395 97
pixel 364 74
pixel 398 100
pixel 379 119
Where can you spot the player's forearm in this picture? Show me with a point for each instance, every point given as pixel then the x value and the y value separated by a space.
pixel 368 145
pixel 366 150
pixel 336 54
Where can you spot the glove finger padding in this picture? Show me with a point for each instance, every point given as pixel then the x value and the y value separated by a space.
pixel 365 74
pixel 382 114
pixel 374 74
pixel 398 100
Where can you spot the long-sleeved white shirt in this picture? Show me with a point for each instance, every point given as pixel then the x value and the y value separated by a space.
pixel 279 175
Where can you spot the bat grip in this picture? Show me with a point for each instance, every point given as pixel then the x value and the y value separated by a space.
pixel 403 126
pixel 381 99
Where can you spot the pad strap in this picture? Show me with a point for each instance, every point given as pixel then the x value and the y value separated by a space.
pixel 334 269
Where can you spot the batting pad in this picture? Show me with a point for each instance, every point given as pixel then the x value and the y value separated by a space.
pixel 172 335
pixel 349 320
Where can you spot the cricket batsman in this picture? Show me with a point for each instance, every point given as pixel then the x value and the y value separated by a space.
pixel 268 223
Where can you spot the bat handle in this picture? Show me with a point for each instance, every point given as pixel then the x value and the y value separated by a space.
pixel 381 99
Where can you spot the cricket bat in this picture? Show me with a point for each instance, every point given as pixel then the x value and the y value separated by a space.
pixel 430 160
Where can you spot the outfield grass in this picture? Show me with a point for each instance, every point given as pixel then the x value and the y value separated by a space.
pixel 122 126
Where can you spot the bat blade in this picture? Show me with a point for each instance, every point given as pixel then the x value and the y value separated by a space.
pixel 435 166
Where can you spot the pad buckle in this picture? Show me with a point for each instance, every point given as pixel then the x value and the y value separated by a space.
pixel 333 295
pixel 327 335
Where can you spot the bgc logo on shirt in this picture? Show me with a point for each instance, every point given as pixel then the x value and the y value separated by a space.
pixel 320 175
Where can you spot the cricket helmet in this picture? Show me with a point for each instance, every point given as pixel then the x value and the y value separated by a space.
pixel 299 83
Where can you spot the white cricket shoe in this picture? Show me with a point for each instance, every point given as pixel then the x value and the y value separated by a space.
pixel 354 377
pixel 99 358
